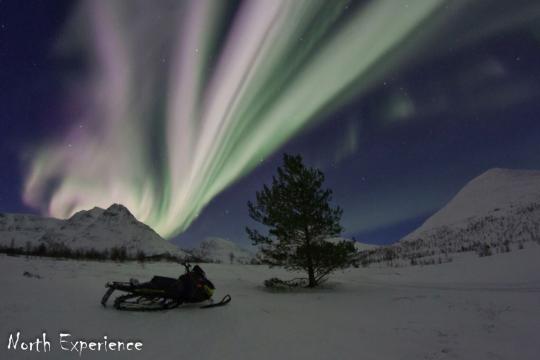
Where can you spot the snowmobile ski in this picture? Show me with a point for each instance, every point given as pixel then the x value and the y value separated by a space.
pixel 226 299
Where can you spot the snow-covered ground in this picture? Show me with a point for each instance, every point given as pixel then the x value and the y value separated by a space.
pixel 472 308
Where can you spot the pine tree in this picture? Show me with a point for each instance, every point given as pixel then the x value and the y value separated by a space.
pixel 299 218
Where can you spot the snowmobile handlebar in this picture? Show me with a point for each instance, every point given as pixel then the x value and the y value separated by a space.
pixel 187 266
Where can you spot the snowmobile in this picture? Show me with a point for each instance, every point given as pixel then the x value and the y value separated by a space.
pixel 163 293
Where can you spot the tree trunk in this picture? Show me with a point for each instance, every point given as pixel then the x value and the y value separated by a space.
pixel 311 275
pixel 311 272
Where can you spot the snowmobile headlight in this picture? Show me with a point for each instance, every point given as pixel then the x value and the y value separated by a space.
pixel 208 291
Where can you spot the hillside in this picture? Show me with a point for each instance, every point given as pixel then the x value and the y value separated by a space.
pixel 498 208
pixel 496 212
pixel 497 192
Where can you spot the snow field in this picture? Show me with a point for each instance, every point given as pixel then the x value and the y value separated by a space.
pixel 472 308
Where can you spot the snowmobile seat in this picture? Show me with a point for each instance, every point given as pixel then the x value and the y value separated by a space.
pixel 162 282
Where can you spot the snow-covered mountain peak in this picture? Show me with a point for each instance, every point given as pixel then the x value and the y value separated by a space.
pixel 97 229
pixel 118 210
pixel 493 191
pixel 505 182
pixel 494 213
pixel 86 215
pixel 501 206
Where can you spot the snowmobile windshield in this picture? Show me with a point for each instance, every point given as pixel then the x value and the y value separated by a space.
pixel 197 270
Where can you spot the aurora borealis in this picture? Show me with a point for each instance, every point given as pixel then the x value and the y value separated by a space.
pixel 170 107
pixel 170 119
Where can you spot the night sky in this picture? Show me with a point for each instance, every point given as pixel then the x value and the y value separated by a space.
pixel 456 96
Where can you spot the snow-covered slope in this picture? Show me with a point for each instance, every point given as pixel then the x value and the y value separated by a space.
pixel 497 212
pixel 97 229
pixel 18 229
pixel 498 192
pixel 219 250
pixel 496 207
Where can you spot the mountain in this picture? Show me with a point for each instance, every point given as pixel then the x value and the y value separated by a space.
pixel 498 208
pixel 497 192
pixel 496 212
pixel 219 250
pixel 97 229
pixel 17 229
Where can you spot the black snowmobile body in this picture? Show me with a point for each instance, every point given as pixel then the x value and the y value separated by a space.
pixel 162 293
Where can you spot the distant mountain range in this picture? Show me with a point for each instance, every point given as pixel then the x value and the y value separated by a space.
pixel 359 246
pixel 113 228
pixel 98 229
pixel 496 212
pixel 218 250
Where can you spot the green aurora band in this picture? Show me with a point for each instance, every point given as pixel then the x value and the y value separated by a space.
pixel 173 108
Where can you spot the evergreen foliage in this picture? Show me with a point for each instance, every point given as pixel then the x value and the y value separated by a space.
pixel 299 217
